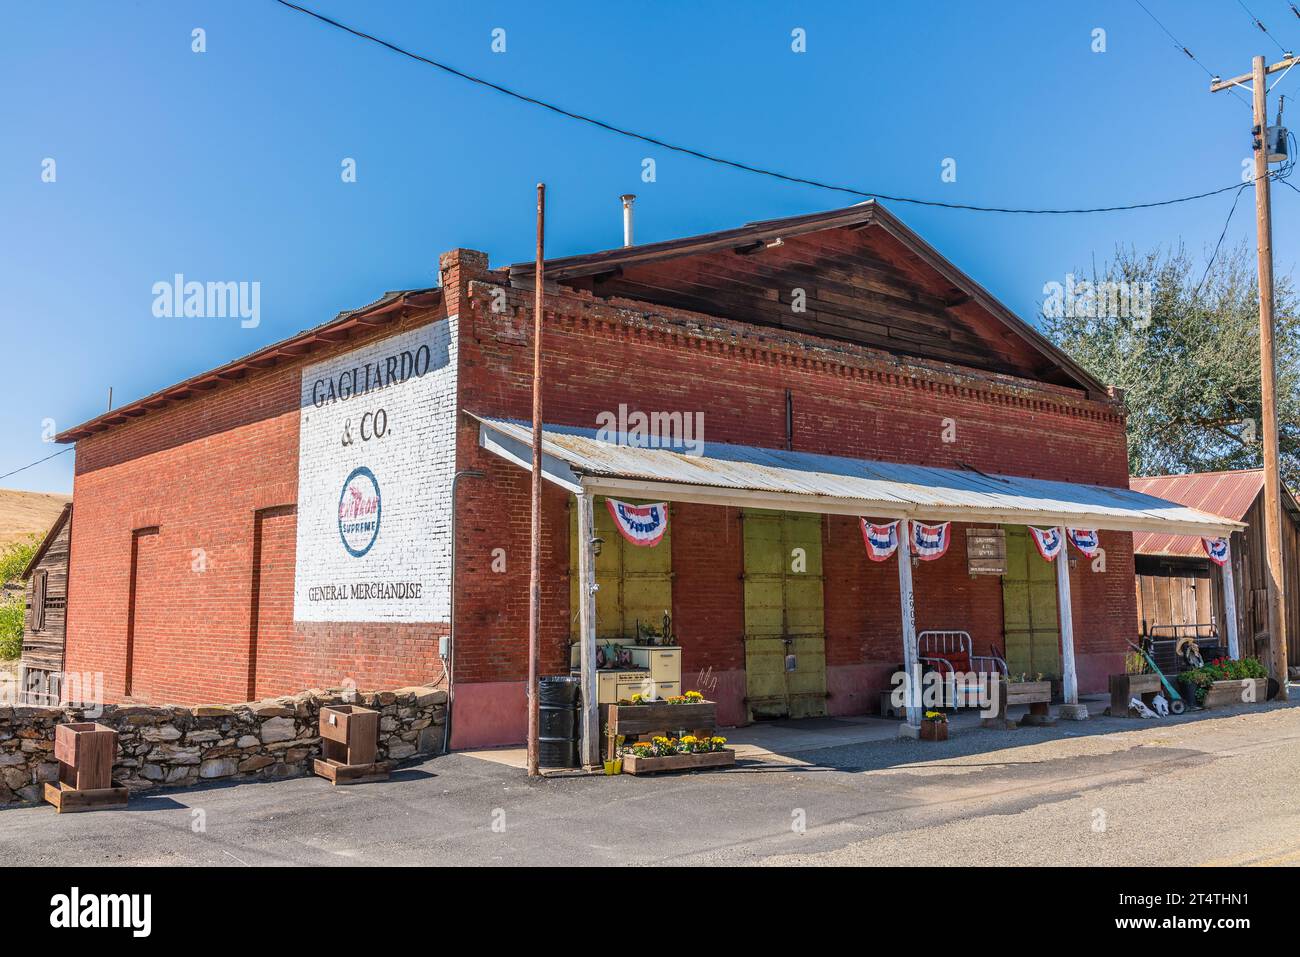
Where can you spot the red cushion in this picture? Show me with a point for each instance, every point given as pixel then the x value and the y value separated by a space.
pixel 959 660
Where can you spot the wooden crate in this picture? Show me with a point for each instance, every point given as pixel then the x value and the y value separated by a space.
pixel 678 762
pixel 85 752
pixel 68 800
pixel 349 734
pixel 1229 694
pixel 1123 688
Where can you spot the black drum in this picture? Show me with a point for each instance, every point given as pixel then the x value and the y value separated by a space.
pixel 557 700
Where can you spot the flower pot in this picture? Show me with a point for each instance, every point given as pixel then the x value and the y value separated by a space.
pixel 610 767
pixel 934 730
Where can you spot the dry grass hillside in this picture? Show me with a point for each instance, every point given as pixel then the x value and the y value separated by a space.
pixel 25 513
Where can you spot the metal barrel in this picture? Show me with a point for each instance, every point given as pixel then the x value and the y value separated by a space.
pixel 557 699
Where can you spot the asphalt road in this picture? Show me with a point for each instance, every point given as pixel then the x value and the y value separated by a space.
pixel 1108 791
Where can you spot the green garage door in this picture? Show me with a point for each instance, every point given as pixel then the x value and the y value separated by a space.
pixel 1032 627
pixel 636 582
pixel 783 615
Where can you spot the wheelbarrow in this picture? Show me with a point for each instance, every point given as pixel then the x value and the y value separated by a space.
pixel 1176 703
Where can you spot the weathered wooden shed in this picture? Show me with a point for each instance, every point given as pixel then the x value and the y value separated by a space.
pixel 45 626
pixel 1177 584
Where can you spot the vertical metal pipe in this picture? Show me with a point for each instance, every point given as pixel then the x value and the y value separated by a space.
pixel 789 420
pixel 535 548
pixel 628 199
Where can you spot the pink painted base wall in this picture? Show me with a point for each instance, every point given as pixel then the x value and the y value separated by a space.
pixel 489 714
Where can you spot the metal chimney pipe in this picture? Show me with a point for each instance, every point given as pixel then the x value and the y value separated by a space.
pixel 628 199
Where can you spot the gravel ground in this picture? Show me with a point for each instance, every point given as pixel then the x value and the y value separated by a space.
pixel 1106 791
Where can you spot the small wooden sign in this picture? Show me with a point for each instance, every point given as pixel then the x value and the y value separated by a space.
pixel 986 551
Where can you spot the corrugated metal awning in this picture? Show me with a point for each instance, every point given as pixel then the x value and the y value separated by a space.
pixel 800 481
pixel 1230 494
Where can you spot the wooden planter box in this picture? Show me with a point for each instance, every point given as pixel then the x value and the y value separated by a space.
pixel 85 752
pixel 349 733
pixel 349 740
pixel 657 717
pixel 1230 693
pixel 678 762
pixel 934 730
pixel 1036 694
pixel 1123 688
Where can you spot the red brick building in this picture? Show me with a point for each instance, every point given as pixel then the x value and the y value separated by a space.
pixel 211 562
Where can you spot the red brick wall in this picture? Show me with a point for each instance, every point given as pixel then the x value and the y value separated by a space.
pixel 846 402
pixel 200 470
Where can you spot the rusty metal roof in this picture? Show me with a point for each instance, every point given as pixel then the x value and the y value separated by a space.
pixel 803 481
pixel 1230 494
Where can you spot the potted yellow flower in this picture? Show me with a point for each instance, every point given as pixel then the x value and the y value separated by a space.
pixel 934 726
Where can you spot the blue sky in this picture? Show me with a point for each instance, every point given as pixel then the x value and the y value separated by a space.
pixel 225 165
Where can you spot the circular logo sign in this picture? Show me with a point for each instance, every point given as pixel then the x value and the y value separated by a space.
pixel 359 508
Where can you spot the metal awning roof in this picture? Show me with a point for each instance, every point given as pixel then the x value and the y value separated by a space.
pixel 742 475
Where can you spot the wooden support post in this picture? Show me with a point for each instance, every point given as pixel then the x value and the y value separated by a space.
pixel 910 655
pixel 1230 604
pixel 1069 677
pixel 590 744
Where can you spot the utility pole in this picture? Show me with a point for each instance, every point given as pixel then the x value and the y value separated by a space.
pixel 1268 371
pixel 535 546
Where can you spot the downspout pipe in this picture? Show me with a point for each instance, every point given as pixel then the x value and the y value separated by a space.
pixel 449 666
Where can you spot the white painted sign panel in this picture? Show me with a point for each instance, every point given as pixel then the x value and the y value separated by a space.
pixel 376 454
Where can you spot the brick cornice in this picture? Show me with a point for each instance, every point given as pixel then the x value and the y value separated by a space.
pixel 676 328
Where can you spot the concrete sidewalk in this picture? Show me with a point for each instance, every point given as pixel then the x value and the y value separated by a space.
pixel 783 741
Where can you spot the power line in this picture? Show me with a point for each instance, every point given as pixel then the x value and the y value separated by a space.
pixel 1259 23
pixel 1215 255
pixel 37 462
pixel 1182 46
pixel 736 164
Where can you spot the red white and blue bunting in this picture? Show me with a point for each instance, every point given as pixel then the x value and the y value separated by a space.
pixel 931 541
pixel 1085 540
pixel 882 540
pixel 1047 540
pixel 640 524
pixel 1217 549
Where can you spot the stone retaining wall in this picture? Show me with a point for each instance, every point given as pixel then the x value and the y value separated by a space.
pixel 175 746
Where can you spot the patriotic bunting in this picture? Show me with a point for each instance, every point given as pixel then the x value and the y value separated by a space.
pixel 882 540
pixel 640 524
pixel 931 541
pixel 1085 540
pixel 1217 549
pixel 1047 540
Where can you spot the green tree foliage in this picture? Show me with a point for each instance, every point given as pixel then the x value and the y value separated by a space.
pixel 1190 369
pixel 15 557
pixel 11 628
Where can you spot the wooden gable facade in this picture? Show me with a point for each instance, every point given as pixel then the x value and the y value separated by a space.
pixel 856 275
pixel 45 624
